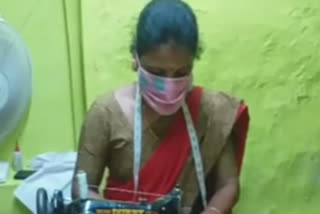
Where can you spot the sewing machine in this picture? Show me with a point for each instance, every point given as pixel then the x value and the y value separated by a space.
pixel 167 204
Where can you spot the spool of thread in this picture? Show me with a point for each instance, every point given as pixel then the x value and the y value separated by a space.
pixel 82 184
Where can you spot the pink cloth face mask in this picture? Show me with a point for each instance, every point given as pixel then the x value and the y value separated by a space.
pixel 164 95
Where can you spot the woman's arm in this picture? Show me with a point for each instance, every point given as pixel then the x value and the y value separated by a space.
pixel 227 184
pixel 92 151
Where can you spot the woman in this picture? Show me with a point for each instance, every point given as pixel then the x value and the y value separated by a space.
pixel 152 112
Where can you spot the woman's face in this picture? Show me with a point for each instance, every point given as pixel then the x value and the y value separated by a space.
pixel 168 61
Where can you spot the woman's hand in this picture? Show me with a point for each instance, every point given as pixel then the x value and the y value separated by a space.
pixel 213 210
pixel 227 186
pixel 224 199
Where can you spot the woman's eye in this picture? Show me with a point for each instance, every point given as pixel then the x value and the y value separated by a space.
pixel 174 74
pixel 182 72
pixel 157 72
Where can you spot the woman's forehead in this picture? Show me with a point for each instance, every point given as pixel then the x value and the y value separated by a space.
pixel 170 56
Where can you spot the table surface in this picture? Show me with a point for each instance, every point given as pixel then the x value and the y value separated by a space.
pixel 8 204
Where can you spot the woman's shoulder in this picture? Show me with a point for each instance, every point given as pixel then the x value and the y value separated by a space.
pixel 219 100
pixel 220 109
pixel 115 102
pixel 109 99
pixel 103 102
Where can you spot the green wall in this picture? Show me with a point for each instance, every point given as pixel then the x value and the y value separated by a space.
pixel 50 119
pixel 57 105
pixel 266 52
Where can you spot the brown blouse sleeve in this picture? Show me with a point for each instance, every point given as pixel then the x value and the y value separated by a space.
pixel 226 166
pixel 93 145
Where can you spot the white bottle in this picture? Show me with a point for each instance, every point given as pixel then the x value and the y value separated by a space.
pixel 17 159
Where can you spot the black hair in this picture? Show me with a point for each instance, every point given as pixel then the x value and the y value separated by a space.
pixel 163 22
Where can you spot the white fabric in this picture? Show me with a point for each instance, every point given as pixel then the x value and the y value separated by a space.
pixel 54 172
pixel 15 79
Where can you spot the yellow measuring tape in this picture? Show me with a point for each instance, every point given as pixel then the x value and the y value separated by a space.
pixel 120 211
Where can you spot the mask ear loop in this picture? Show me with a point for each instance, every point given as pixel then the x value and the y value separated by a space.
pixel 134 64
pixel 139 67
pixel 138 63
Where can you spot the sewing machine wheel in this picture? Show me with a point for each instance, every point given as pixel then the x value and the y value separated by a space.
pixel 42 201
pixel 57 204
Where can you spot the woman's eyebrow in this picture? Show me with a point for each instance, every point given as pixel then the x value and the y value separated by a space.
pixel 163 69
pixel 154 67
pixel 185 66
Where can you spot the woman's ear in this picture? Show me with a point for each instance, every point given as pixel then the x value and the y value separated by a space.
pixel 134 64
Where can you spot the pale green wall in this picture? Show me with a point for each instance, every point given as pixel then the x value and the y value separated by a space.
pixel 266 52
pixel 42 26
pixel 263 51
pixel 57 108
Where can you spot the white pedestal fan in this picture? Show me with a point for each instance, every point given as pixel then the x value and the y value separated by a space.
pixel 15 80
